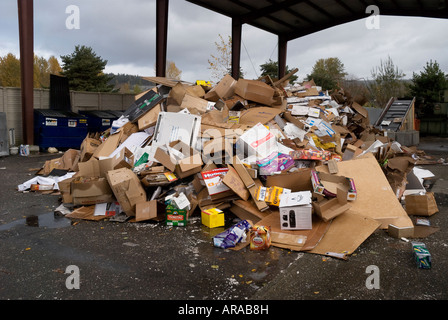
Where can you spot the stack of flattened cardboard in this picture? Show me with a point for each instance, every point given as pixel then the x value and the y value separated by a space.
pixel 240 147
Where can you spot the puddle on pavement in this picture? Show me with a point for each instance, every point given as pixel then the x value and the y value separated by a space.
pixel 46 220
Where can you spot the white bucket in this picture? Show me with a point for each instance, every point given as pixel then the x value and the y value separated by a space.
pixel 14 150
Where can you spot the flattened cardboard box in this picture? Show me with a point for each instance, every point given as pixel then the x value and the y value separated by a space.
pixel 69 161
pixel 127 189
pixel 375 197
pixel 345 234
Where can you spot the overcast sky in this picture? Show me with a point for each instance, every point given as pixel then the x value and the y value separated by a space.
pixel 123 33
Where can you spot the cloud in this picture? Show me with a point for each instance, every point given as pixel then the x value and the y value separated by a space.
pixel 124 33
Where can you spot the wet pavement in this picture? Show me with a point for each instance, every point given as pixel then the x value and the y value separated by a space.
pixel 152 262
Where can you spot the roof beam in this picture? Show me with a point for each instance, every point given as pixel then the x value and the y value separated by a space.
pixel 320 9
pixel 345 6
pixel 385 12
pixel 275 7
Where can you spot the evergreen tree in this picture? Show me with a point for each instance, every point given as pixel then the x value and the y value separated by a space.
pixel 428 87
pixel 270 68
pixel 84 70
pixel 387 83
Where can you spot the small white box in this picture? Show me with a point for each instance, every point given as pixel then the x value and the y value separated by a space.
pixel 258 141
pixel 295 211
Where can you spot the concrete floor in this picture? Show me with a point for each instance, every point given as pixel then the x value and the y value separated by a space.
pixel 152 262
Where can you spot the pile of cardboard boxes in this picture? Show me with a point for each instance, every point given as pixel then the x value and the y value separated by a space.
pixel 302 162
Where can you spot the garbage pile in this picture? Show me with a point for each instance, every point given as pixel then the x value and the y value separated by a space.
pixel 301 168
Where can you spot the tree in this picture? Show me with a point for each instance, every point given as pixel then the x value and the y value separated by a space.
pixel 270 68
pixel 10 71
pixel 428 87
pixel 84 70
pixel 137 89
pixel 53 66
pixel 41 75
pixel 42 70
pixel 221 64
pixel 387 83
pixel 172 71
pixel 327 73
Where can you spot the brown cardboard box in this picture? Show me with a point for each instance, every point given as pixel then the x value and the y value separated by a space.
pixel 123 159
pixel 88 186
pixel 255 90
pixel 234 182
pixel 195 104
pixel 330 185
pixel 127 189
pixel 224 89
pixel 88 147
pixel 255 115
pixel 65 189
pixel 149 210
pixel 179 90
pixel 328 209
pixel 108 146
pixel 189 165
pixel 69 161
pixel 149 119
pixel 421 204
pixel 91 190
pixel 403 232
pixel 295 181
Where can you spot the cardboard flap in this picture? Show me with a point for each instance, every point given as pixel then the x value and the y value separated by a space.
pixel 108 146
pixel 234 182
pixel 89 188
pixel 135 193
pixel 295 181
pixel 89 168
pixel 255 115
pixel 164 158
pixel 190 163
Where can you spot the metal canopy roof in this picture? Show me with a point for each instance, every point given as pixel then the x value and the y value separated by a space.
pixel 291 19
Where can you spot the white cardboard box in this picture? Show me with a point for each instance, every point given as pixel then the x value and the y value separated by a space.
pixel 295 211
pixel 174 126
pixel 257 141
